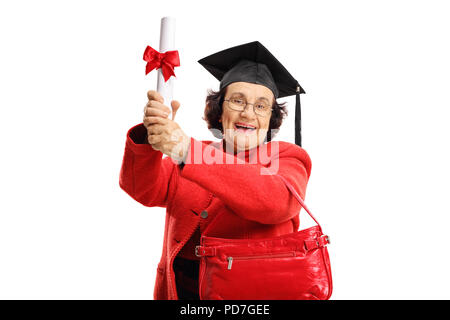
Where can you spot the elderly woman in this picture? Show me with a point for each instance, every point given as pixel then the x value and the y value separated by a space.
pixel 230 187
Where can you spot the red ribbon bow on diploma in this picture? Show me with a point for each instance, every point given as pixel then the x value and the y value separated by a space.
pixel 167 61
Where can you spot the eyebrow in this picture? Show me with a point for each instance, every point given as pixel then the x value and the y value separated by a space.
pixel 242 94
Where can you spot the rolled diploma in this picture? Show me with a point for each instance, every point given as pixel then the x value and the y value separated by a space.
pixel 166 43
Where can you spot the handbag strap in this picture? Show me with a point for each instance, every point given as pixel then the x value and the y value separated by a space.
pixel 299 199
pixel 322 241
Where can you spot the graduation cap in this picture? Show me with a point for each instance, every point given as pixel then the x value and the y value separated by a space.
pixel 252 62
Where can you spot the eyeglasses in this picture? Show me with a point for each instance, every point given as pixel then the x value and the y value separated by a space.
pixel 261 108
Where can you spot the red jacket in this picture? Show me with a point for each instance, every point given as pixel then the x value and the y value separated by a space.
pixel 246 203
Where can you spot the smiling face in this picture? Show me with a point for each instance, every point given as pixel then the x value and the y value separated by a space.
pixel 244 130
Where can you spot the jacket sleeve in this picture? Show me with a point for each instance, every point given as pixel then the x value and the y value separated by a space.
pixel 247 192
pixel 144 174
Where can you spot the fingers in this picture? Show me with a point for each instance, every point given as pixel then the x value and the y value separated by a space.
pixel 154 95
pixel 154 139
pixel 175 105
pixel 152 120
pixel 157 105
pixel 155 112
pixel 155 129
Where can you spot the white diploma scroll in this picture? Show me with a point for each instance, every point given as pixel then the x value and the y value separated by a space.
pixel 166 43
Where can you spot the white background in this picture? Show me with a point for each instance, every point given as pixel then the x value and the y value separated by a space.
pixel 375 123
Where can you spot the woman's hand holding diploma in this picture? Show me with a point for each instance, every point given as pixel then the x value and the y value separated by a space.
pixel 164 134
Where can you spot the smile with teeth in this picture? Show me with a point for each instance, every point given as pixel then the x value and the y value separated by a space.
pixel 241 128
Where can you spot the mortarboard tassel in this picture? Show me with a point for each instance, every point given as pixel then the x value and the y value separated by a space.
pixel 298 118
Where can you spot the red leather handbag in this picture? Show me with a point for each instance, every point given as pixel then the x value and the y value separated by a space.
pixel 294 266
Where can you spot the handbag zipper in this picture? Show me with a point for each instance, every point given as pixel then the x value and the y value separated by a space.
pixel 274 255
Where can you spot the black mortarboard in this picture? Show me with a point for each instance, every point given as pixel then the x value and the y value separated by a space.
pixel 252 62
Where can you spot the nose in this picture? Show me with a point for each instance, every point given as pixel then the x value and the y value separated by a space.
pixel 249 111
